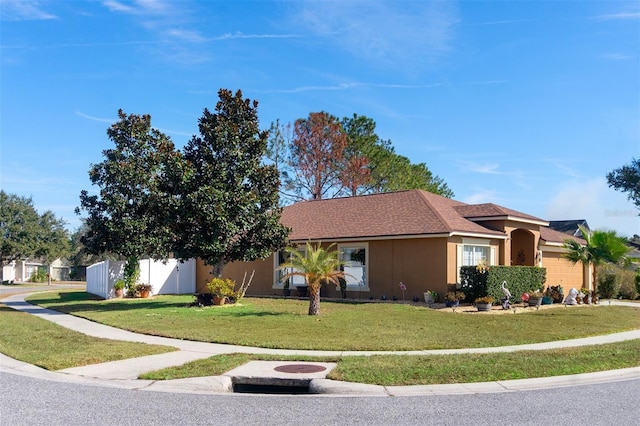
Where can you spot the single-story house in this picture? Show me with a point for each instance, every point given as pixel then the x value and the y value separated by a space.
pixel 414 237
pixel 22 270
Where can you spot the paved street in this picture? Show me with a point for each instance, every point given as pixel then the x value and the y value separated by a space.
pixel 28 401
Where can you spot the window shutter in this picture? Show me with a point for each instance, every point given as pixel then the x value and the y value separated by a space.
pixel 492 261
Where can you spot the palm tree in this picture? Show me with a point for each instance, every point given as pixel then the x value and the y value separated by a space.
pixel 317 266
pixel 601 247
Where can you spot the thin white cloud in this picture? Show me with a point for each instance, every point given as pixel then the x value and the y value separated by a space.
pixel 347 86
pixel 562 166
pixel 113 120
pixel 617 16
pixel 138 7
pixel 502 22
pixel 116 6
pixel 407 35
pixel 239 35
pixel 185 35
pixel 92 118
pixel 488 82
pixel 484 168
pixel 618 56
pixel 19 10
pixel 481 196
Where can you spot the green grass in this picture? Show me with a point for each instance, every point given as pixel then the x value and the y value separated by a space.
pixel 40 342
pixel 401 370
pixel 279 323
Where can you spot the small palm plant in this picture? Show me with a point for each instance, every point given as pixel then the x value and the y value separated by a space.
pixel 601 247
pixel 317 266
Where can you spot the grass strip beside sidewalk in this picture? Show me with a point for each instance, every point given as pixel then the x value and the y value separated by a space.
pixel 40 342
pixel 403 370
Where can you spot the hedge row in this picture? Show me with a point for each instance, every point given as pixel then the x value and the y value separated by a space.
pixel 476 282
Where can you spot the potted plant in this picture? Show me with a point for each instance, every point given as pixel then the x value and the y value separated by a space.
pixel 222 289
pixel 143 290
pixel 535 298
pixel 430 297
pixel 118 288
pixel 483 304
pixel 453 298
pixel 586 296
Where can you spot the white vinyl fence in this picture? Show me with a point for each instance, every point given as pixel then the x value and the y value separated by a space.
pixel 171 277
pixel 168 277
pixel 102 275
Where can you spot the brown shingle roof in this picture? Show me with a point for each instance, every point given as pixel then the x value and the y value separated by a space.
pixel 405 213
pixel 490 210
pixel 552 236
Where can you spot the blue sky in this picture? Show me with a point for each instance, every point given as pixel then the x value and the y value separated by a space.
pixel 524 104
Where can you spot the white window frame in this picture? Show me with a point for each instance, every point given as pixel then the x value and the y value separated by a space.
pixel 474 242
pixel 296 281
pixel 362 285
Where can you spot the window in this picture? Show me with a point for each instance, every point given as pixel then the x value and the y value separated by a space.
pixel 354 259
pixel 474 251
pixel 280 258
pixel 473 255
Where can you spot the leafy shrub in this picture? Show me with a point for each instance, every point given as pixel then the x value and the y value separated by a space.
pixel 473 282
pixel 39 276
pixel 637 279
pixel 627 285
pixel 608 285
pixel 222 287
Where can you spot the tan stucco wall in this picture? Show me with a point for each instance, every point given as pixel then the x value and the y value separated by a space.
pixel 507 246
pixel 562 272
pixel 262 279
pixel 420 264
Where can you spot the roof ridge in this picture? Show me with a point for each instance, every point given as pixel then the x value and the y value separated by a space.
pixel 443 220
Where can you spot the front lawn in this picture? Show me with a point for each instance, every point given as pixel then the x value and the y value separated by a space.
pixel 279 323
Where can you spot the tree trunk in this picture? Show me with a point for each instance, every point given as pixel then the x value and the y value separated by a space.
pixel 314 299
pixel 217 268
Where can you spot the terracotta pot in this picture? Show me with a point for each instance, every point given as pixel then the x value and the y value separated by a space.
pixel 145 294
pixel 217 300
pixel 119 293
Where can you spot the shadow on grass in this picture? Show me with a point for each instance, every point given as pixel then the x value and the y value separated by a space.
pixel 72 302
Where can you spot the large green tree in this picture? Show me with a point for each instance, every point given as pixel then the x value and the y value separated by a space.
pixel 627 179
pixel 317 265
pixel 128 216
pixel 229 199
pixel 600 247
pixel 24 233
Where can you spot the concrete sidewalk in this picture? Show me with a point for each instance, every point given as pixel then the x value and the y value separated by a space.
pixel 124 373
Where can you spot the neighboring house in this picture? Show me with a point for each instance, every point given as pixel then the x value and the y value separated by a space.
pixel 569 226
pixel 22 270
pixel 415 237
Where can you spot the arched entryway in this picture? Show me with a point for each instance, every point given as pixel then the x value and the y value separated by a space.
pixel 523 248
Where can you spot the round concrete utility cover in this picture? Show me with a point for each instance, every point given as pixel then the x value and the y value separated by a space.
pixel 300 368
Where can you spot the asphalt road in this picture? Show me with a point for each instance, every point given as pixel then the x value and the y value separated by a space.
pixel 28 401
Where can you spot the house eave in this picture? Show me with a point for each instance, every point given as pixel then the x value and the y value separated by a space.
pixel 507 217
pixel 402 237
